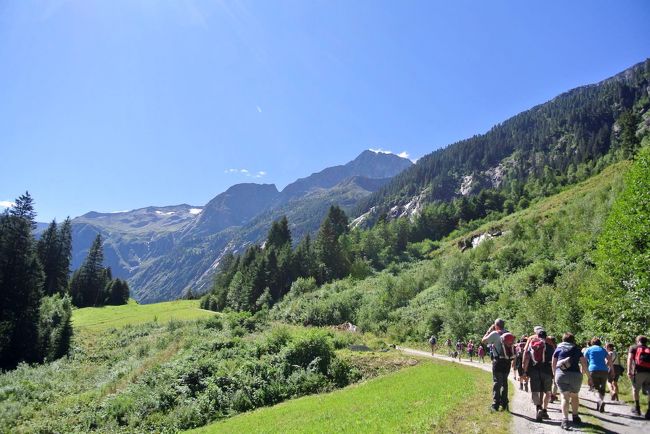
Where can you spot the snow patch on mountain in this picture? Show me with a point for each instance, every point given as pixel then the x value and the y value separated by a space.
pixel 195 211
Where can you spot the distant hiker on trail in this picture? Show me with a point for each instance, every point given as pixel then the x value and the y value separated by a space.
pixel 638 369
pixel 481 353
pixel 538 368
pixel 616 373
pixel 459 349
pixel 470 349
pixel 433 341
pixel 449 347
pixel 568 366
pixel 600 365
pixel 502 343
pixel 518 364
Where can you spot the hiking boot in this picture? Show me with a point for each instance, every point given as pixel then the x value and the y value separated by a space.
pixel 494 408
pixel 601 408
pixel 576 419
pixel 539 416
pixel 565 424
pixel 545 414
pixel 505 407
pixel 636 411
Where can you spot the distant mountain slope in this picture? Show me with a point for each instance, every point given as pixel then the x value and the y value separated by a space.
pixel 368 164
pixel 554 137
pixel 164 251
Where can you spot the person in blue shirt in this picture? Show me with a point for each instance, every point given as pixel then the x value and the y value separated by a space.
pixel 567 363
pixel 600 365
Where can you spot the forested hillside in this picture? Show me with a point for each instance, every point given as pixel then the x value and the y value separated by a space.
pixel 532 153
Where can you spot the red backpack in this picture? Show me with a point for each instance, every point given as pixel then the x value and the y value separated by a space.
pixel 537 350
pixel 642 357
pixel 507 343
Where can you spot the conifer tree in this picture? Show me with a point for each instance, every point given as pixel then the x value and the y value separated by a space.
pixel 88 283
pixel 48 249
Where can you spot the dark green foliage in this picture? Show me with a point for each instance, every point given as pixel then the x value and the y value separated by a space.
pixel 55 326
pixel 623 259
pixel 88 283
pixel 538 149
pixel 117 292
pixel 55 252
pixel 21 282
pixel 32 327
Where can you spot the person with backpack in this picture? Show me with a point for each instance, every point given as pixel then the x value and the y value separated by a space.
pixel 502 355
pixel 616 373
pixel 600 365
pixel 470 349
pixel 518 364
pixel 481 353
pixel 568 367
pixel 459 349
pixel 638 369
pixel 433 341
pixel 449 347
pixel 538 368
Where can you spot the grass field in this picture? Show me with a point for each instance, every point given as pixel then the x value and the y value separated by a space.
pixel 430 397
pixel 103 318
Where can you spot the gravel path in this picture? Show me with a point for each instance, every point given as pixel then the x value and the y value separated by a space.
pixel 617 418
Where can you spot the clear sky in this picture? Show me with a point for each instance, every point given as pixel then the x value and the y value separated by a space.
pixel 120 104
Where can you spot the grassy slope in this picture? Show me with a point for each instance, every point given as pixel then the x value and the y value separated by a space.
pixel 427 397
pixel 103 318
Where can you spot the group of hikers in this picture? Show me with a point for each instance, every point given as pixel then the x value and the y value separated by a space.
pixel 457 350
pixel 545 367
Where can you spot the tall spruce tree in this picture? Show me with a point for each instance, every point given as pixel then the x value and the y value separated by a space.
pixel 49 249
pixel 88 283
pixel 21 282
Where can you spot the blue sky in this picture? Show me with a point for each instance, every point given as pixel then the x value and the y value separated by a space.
pixel 119 104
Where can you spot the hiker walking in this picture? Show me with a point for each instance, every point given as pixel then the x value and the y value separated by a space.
pixel 537 367
pixel 600 365
pixel 470 349
pixel 502 343
pixel 449 347
pixel 459 349
pixel 433 341
pixel 638 369
pixel 616 373
pixel 568 366
pixel 518 364
pixel 481 353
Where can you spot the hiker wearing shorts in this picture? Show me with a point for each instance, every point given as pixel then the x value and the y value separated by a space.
pixel 568 366
pixel 502 343
pixel 616 373
pixel 518 364
pixel 433 341
pixel 481 353
pixel 638 369
pixel 470 349
pixel 600 365
pixel 538 368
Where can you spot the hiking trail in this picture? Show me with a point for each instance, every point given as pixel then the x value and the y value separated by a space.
pixel 617 417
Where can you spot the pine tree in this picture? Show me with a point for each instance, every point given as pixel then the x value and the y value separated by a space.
pixel 88 283
pixel 21 283
pixel 48 249
pixel 65 255
pixel 279 234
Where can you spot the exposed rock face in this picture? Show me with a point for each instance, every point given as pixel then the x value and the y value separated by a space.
pixel 164 251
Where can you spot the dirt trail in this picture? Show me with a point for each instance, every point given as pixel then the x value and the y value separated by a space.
pixel 617 418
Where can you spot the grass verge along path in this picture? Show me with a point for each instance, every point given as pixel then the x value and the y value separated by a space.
pixel 429 397
pixel 102 318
